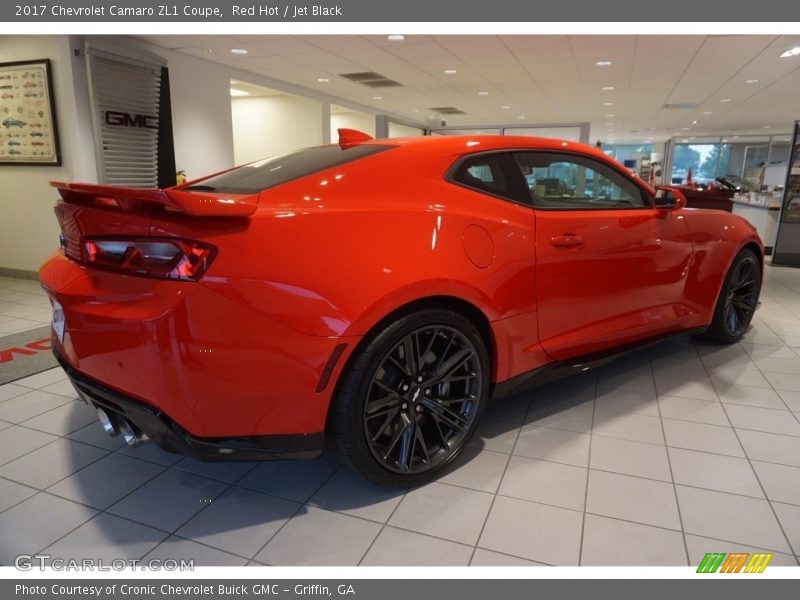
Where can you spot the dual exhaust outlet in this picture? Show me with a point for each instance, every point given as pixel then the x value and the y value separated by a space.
pixel 115 425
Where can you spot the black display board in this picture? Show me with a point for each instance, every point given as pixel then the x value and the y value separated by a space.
pixel 787 242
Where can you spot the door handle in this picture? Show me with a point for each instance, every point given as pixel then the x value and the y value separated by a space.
pixel 568 240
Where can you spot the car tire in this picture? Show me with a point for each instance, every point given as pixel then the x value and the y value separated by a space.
pixel 399 417
pixel 737 300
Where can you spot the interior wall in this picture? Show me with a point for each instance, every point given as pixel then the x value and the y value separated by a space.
pixel 272 125
pixel 352 120
pixel 400 130
pixel 28 228
pixel 201 113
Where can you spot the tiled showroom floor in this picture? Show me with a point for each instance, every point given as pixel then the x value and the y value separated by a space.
pixel 668 453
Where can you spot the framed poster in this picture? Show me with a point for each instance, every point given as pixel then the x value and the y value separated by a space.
pixel 28 128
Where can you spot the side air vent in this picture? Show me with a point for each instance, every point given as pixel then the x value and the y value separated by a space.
pixel 371 79
pixel 447 110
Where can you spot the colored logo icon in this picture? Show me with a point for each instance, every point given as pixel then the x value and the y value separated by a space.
pixel 737 562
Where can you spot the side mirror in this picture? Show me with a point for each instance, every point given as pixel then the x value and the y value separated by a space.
pixel 669 198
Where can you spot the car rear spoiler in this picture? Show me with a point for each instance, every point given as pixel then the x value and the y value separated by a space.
pixel 197 204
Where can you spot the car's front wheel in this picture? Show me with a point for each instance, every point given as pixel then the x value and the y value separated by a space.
pixel 737 300
pixel 411 398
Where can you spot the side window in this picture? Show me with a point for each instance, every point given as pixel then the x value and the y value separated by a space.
pixel 493 173
pixel 564 181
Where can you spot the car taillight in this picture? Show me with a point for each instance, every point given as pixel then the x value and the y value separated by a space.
pixel 162 258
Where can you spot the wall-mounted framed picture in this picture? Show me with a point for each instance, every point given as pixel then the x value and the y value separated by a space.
pixel 28 127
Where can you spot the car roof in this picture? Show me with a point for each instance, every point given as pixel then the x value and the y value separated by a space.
pixel 456 144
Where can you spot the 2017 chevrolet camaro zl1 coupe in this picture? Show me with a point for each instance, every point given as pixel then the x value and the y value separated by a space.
pixel 376 293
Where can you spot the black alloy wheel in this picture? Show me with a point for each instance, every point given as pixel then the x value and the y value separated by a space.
pixel 742 297
pixel 738 299
pixel 422 399
pixel 410 400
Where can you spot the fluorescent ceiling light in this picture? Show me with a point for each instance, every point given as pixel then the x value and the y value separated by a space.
pixel 610 116
pixel 725 100
pixel 483 93
pixel 377 97
pixel 450 71
pixel 603 63
pixel 608 104
pixel 521 117
pixel 396 37
pixel 505 107
pixel 751 80
pixel 236 93
pixel 707 112
pixel 791 52
pixel 608 88
pixel 322 80
pixel 238 51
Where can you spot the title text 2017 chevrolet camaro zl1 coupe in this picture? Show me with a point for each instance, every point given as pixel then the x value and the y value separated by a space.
pixel 376 293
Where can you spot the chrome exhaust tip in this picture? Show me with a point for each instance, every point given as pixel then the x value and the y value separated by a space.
pixel 130 436
pixel 106 422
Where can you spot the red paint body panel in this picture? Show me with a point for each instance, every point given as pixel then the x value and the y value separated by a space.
pixel 324 258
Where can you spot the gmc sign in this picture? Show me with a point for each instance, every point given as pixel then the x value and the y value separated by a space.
pixel 124 119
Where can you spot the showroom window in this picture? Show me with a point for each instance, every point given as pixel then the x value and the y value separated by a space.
pixel 754 161
pixel 562 181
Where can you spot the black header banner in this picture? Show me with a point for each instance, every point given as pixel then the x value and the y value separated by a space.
pixel 405 11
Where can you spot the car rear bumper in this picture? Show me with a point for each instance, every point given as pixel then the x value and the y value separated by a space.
pixel 166 433
pixel 218 368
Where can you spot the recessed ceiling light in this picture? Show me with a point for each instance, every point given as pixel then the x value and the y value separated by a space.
pixel 603 63
pixel 235 93
pixel 724 141
pixel 791 52
pixel 483 93
pixel 377 97
pixel 684 141
pixel 322 80
pixel 608 104
pixel 751 80
pixel 725 100
pixel 450 71
pixel 208 51
pixel 608 88
pixel 396 37
pixel 238 51
pixel 707 112
pixel 695 122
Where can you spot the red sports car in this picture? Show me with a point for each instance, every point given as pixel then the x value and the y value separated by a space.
pixel 376 293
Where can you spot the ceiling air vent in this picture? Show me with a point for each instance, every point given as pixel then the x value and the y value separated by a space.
pixel 447 110
pixel 682 105
pixel 371 79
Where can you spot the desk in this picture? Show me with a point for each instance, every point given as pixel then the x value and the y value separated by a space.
pixel 764 217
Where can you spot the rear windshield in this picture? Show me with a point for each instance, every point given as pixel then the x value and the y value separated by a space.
pixel 264 174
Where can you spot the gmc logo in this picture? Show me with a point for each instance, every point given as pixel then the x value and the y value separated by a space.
pixel 123 119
